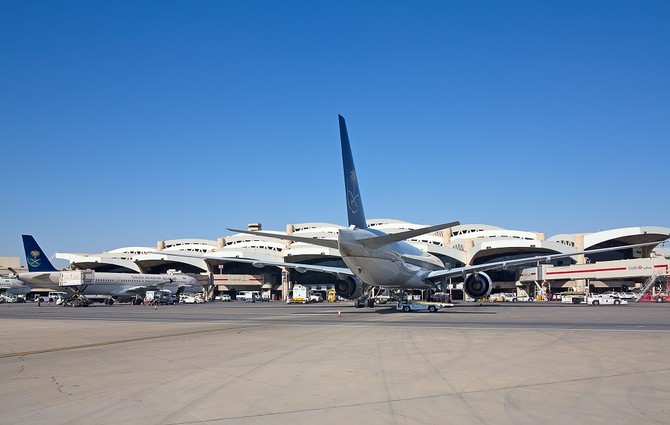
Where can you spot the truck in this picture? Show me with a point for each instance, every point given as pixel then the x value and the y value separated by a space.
pixel 298 295
pixel 248 296
pixel 160 298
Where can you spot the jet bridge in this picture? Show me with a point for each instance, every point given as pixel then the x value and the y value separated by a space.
pixel 639 268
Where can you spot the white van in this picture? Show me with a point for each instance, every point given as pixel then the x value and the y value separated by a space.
pixel 248 296
pixel 56 296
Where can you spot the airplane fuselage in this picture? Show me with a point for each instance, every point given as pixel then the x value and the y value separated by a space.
pixel 13 286
pixel 398 265
pixel 115 284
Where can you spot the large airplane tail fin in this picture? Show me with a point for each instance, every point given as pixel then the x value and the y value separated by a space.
pixel 353 194
pixel 35 257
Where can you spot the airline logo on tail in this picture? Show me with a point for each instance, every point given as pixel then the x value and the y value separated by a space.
pixel 352 196
pixel 34 260
pixel 37 261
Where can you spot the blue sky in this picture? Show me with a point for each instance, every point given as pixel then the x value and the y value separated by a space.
pixel 126 122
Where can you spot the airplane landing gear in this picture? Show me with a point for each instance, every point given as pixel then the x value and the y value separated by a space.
pixel 366 300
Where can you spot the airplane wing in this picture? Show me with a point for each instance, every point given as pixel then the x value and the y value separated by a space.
pixel 300 268
pixel 41 277
pixel 340 272
pixel 135 290
pixel 501 265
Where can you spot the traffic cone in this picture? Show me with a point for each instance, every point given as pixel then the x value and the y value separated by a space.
pixel 339 313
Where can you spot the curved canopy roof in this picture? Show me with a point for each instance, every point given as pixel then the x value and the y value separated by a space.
pixel 466 244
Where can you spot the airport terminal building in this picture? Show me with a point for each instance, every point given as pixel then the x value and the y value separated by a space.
pixel 465 244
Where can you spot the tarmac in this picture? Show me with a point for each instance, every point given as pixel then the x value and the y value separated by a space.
pixel 272 363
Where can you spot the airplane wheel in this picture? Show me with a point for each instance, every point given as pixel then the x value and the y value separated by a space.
pixel 371 302
pixel 111 301
pixel 406 309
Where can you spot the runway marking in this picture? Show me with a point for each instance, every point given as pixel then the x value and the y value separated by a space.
pixel 341 322
pixel 376 404
pixel 129 340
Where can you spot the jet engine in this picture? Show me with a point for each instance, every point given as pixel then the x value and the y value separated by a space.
pixel 477 285
pixel 349 288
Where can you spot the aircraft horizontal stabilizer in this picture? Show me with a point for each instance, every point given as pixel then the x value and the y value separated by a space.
pixel 380 241
pixel 328 243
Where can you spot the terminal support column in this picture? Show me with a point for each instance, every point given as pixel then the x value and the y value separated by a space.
pixel 581 284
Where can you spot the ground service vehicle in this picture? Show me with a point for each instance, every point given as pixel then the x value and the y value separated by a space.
pixel 518 298
pixel 408 306
pixel 248 296
pixel 191 299
pixel 315 297
pixel 568 298
pixel 605 300
pixel 11 298
pixel 55 295
pixel 382 297
pixel 501 297
pixel 160 298
pixel 298 295
pixel 659 298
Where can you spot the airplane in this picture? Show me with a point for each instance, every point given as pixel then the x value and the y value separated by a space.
pixel 376 259
pixel 41 273
pixel 13 286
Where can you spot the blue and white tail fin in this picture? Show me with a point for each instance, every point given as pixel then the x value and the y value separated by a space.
pixel 354 210
pixel 353 193
pixel 35 257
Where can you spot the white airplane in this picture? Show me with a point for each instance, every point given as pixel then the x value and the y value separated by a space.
pixel 374 258
pixel 12 285
pixel 41 273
